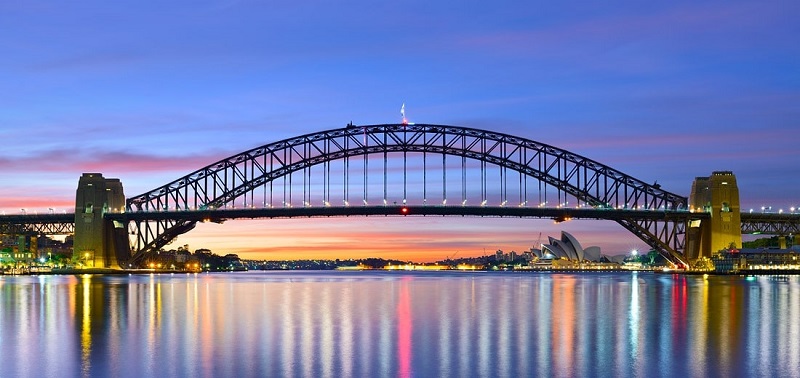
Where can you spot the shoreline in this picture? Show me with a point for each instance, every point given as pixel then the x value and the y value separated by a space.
pixel 106 271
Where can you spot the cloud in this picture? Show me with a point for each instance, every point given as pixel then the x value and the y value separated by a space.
pixel 104 161
pixel 13 204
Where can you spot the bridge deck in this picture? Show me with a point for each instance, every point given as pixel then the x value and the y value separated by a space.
pixel 770 223
pixel 752 223
pixel 479 211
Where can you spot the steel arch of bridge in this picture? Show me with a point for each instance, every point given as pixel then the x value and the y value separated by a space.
pixel 595 184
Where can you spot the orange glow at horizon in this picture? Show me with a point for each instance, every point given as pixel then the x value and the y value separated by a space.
pixel 406 238
pixel 417 239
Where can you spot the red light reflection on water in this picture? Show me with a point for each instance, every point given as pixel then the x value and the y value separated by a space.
pixel 404 329
pixel 679 308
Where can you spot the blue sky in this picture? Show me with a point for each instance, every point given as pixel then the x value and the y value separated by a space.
pixel 148 91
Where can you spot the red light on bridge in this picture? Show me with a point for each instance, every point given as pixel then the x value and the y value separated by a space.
pixel 404 210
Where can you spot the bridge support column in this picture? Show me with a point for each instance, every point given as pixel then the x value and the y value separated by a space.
pixel 99 243
pixel 717 195
pixel 782 242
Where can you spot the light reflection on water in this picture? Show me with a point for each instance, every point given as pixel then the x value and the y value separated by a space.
pixel 395 324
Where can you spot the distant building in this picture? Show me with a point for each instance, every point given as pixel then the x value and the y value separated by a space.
pixel 182 255
pixel 731 261
pixel 512 256
pixel 21 253
pixel 567 248
pixel 527 255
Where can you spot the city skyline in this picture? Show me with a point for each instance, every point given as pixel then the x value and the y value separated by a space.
pixel 148 93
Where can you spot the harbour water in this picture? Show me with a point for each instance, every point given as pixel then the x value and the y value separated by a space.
pixel 399 324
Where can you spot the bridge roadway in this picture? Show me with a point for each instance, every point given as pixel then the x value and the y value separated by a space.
pixel 60 224
pixel 558 214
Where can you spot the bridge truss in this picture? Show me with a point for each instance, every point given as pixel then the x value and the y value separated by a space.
pixel 396 164
pixel 770 224
pixel 45 224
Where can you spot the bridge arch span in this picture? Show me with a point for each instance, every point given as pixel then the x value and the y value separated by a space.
pixel 570 175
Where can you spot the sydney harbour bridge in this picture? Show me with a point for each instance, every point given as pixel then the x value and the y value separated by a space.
pixel 403 170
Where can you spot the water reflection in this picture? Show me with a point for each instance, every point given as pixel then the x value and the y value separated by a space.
pixel 331 324
pixel 404 329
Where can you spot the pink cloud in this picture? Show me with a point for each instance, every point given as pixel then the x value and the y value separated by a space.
pixel 105 161
pixel 12 205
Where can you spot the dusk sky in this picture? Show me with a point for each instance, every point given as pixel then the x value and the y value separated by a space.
pixel 148 91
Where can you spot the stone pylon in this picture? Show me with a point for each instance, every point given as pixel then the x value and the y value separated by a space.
pixel 717 195
pixel 99 243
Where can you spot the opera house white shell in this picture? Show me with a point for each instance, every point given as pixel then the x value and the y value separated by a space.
pixel 569 248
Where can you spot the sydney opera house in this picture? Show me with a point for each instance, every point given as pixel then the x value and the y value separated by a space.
pixel 567 248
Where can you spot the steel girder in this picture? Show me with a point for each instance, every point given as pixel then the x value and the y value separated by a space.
pixel 770 223
pixel 588 181
pixel 668 236
pixel 45 224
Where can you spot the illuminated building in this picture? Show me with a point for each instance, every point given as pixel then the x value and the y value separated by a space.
pixel 743 260
pixel 567 248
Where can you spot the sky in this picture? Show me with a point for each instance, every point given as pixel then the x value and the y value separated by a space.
pixel 148 91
